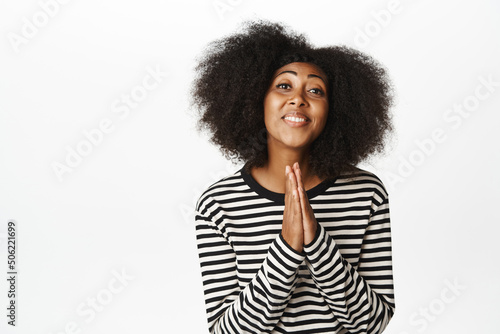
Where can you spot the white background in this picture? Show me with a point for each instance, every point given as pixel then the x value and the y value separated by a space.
pixel 127 205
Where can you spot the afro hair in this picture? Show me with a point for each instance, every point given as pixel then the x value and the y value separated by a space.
pixel 234 73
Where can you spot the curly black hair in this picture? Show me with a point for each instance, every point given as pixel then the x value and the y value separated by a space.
pixel 235 72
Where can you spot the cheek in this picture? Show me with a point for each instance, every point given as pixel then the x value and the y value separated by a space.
pixel 271 107
pixel 322 113
pixel 267 114
pixel 269 102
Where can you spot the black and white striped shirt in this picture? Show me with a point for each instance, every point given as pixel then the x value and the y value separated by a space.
pixel 254 282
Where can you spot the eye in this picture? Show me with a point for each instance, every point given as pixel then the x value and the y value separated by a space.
pixel 316 91
pixel 283 85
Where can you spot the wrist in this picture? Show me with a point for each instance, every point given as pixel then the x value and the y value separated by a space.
pixel 294 245
pixel 311 235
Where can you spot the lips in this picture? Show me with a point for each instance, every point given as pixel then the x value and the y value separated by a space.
pixel 296 114
pixel 295 119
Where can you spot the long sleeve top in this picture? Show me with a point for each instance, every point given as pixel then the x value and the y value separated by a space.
pixel 254 282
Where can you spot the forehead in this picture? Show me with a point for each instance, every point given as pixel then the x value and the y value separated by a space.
pixel 309 70
pixel 301 69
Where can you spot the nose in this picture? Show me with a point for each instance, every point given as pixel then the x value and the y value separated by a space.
pixel 297 99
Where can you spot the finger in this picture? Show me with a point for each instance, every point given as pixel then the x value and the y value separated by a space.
pixel 303 201
pixel 300 184
pixel 294 199
pixel 297 209
pixel 293 180
pixel 289 198
pixel 298 174
pixel 308 218
pixel 287 183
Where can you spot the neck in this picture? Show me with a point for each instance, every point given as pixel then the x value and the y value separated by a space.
pixel 272 174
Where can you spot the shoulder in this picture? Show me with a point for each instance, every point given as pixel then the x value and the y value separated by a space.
pixel 219 189
pixel 364 179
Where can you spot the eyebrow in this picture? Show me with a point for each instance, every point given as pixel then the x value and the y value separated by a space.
pixel 295 73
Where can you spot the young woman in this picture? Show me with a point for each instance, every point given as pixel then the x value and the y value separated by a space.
pixel 298 240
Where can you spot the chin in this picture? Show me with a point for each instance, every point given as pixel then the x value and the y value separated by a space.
pixel 295 145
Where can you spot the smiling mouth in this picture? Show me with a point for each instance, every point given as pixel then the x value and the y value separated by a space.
pixel 295 121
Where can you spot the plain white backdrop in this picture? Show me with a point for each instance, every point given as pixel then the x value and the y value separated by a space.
pixel 101 166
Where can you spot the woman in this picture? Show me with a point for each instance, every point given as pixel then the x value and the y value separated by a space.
pixel 298 240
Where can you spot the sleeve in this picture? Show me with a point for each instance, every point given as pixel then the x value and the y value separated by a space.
pixel 257 307
pixel 362 296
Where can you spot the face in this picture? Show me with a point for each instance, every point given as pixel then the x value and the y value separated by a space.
pixel 296 105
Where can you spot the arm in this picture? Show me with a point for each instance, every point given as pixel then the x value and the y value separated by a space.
pixel 258 307
pixel 361 297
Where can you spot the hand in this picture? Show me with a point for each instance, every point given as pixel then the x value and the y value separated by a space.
pixel 292 228
pixel 309 222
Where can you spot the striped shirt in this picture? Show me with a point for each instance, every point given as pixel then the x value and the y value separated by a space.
pixel 254 282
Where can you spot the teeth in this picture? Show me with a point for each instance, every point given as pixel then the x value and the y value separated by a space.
pixel 295 119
